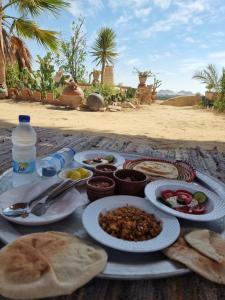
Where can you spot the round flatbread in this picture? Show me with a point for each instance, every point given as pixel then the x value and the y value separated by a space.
pixel 201 241
pixel 47 265
pixel 157 169
pixel 182 252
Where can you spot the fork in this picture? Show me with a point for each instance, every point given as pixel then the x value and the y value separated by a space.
pixel 40 208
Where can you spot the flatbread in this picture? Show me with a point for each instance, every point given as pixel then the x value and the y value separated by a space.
pixel 157 169
pixel 47 265
pixel 201 241
pixel 180 251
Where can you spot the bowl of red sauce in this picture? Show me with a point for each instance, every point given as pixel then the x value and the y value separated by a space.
pixel 99 187
pixel 130 182
pixel 105 170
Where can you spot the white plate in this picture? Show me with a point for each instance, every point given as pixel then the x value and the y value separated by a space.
pixel 215 206
pixel 62 175
pixel 170 225
pixel 56 212
pixel 90 154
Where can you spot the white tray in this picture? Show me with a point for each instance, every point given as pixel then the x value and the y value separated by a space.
pixel 121 265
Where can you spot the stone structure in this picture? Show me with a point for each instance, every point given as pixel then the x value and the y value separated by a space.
pixel 144 94
pixel 96 75
pixel 108 77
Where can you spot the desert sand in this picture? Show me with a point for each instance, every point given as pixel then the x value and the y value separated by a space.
pixel 165 126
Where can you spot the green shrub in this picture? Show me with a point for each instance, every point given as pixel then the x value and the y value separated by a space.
pixel 130 94
pixel 12 76
pixel 107 91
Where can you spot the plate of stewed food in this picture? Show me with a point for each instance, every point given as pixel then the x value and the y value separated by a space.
pixel 130 223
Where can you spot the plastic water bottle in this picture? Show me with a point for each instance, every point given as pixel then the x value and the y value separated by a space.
pixel 57 160
pixel 24 152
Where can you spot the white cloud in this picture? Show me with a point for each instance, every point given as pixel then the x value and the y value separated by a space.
pixel 123 19
pixel 184 15
pixel 189 39
pixel 164 4
pixel 203 46
pixel 143 12
pixel 217 55
pixel 132 61
pixel 85 7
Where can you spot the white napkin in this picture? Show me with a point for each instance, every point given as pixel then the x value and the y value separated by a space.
pixel 26 193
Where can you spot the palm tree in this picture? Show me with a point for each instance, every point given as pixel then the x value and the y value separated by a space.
pixel 209 77
pixel 14 28
pixel 104 49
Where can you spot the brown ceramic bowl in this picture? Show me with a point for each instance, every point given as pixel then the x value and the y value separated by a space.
pixel 105 170
pixel 99 187
pixel 130 182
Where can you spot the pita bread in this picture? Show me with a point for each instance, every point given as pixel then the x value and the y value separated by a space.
pixel 157 169
pixel 200 240
pixel 48 264
pixel 180 251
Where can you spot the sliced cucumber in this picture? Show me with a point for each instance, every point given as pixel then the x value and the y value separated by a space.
pixel 110 158
pixel 180 201
pixel 160 199
pixel 200 197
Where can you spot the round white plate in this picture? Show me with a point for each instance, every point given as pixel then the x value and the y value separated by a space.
pixel 56 212
pixel 90 154
pixel 215 206
pixel 170 225
pixel 62 175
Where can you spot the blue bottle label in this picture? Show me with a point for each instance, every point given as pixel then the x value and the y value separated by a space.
pixel 59 157
pixel 26 167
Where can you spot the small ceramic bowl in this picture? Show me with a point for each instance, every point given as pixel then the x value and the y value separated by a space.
pixel 105 170
pixel 63 175
pixel 99 187
pixel 130 182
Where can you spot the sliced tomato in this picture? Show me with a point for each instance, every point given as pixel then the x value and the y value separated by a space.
pixel 198 209
pixel 186 197
pixel 167 194
pixel 183 191
pixel 183 209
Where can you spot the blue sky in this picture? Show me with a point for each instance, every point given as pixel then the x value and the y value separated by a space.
pixel 173 38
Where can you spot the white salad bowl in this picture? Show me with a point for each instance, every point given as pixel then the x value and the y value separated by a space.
pixel 215 206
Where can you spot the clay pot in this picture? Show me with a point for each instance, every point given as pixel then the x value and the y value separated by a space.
pixel 72 96
pixel 50 98
pixel 134 187
pixel 12 93
pixel 25 94
pixel 95 102
pixel 105 170
pixel 37 96
pixel 142 80
pixel 95 192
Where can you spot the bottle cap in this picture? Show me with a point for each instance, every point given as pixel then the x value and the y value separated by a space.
pixel 48 171
pixel 24 118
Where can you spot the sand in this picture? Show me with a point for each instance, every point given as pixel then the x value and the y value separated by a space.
pixel 164 126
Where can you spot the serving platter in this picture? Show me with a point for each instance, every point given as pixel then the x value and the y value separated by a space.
pixel 121 265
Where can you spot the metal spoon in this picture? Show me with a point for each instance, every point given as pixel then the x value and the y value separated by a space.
pixel 40 208
pixel 22 208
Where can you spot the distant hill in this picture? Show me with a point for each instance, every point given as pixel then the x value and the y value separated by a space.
pixel 166 94
pixel 185 93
